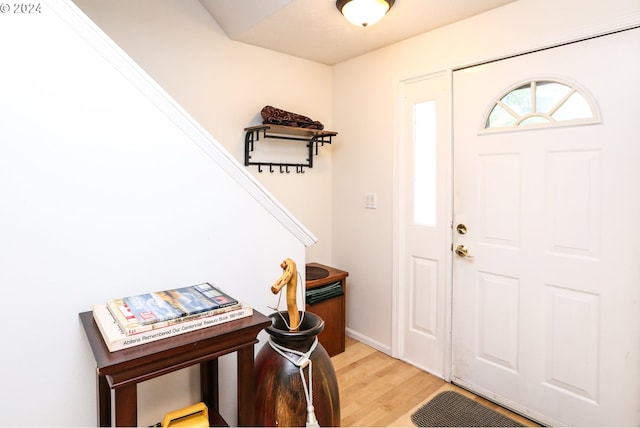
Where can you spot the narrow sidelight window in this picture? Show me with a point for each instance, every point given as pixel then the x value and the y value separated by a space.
pixel 424 168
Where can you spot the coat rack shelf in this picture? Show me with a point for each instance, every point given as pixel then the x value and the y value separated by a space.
pixel 313 137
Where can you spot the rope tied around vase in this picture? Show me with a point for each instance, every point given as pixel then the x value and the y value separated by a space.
pixel 303 360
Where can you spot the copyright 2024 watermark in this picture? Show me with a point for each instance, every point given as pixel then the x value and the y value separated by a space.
pixel 20 8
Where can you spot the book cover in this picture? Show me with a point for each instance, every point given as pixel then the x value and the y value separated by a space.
pixel 214 311
pixel 189 300
pixel 142 313
pixel 126 319
pixel 215 294
pixel 150 308
pixel 130 328
pixel 116 339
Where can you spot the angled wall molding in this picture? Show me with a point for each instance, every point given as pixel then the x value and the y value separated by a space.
pixel 96 38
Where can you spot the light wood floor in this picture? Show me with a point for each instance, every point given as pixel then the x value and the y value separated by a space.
pixel 377 390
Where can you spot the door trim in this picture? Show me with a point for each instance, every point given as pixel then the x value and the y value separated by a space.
pixel 621 23
pixel 397 300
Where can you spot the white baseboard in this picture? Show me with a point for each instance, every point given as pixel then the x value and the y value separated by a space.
pixel 368 341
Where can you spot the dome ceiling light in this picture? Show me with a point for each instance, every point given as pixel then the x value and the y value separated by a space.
pixel 364 13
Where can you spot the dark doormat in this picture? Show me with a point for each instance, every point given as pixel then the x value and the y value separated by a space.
pixel 450 409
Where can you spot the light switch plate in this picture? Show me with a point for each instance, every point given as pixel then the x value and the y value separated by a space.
pixel 371 200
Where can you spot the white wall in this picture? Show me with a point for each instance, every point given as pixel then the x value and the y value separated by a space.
pixel 363 162
pixel 224 85
pixel 105 193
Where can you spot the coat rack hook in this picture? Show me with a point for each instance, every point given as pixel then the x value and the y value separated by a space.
pixel 259 168
pixel 270 167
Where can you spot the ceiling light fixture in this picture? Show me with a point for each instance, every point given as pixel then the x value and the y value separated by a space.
pixel 364 13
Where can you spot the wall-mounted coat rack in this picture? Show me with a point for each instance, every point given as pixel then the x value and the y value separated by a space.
pixel 313 137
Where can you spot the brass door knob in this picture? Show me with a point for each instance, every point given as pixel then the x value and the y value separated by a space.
pixel 462 251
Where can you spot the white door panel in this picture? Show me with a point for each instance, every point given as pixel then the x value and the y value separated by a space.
pixel 423 228
pixel 546 310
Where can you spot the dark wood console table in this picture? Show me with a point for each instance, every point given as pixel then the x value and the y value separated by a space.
pixel 123 370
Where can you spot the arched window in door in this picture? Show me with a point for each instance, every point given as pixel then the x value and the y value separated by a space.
pixel 541 103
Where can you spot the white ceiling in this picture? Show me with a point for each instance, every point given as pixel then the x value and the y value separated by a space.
pixel 315 29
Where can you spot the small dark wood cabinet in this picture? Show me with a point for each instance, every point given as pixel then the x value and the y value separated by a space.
pixel 332 310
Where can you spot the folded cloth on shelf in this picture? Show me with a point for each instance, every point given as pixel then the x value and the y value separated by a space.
pixel 319 294
pixel 276 116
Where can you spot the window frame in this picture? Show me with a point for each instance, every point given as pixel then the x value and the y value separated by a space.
pixel 595 111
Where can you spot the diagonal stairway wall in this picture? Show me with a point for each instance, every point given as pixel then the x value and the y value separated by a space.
pixel 109 188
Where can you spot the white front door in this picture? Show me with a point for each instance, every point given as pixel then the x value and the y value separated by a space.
pixel 424 159
pixel 546 303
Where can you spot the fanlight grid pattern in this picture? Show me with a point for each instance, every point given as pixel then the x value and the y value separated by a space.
pixel 543 102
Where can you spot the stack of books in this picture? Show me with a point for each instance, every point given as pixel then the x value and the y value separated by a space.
pixel 145 318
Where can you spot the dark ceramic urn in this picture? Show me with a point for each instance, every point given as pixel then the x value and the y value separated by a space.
pixel 281 399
